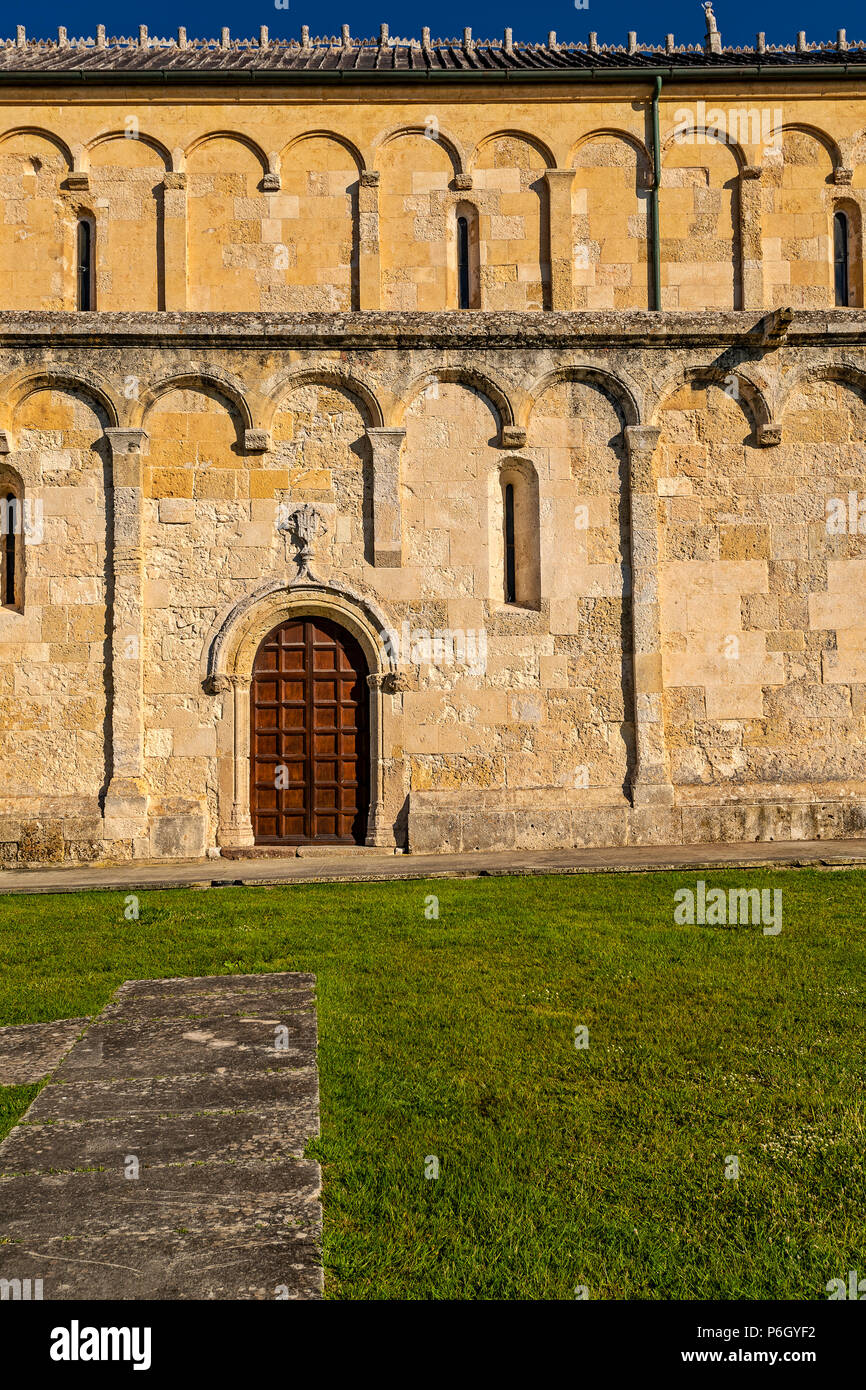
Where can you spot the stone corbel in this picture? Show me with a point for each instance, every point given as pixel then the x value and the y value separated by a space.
pixel 462 183
pixel 843 176
pixel 78 181
pixel 385 445
pixel 512 437
pixel 769 434
pixel 5 446
pixel 257 441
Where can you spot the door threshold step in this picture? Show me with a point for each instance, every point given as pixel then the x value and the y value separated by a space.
pixel 304 852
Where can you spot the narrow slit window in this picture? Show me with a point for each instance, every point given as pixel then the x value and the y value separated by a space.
pixel 463 262
pixel 85 265
pixel 510 559
pixel 840 258
pixel 10 526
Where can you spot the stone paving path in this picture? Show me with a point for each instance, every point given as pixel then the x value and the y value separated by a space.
pixel 371 865
pixel 210 1085
pixel 32 1050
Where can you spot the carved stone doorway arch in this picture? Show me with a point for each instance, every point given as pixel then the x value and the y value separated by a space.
pixel 230 653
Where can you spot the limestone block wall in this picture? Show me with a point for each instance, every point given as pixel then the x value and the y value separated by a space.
pixel 282 200
pixel 685 658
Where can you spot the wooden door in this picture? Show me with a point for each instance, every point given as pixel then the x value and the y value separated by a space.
pixel 309 739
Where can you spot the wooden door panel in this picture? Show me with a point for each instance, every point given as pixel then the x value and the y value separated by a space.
pixel 309 744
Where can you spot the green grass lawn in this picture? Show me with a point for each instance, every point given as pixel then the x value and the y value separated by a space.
pixel 455 1038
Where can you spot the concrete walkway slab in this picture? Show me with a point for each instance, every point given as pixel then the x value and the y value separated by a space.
pixel 380 867
pixel 164 1158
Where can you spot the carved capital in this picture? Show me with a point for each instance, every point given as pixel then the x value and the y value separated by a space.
pixel 843 176
pixel 5 446
pixel 389 682
pixel 174 179
pixel 271 183
pixel 386 435
pixel 126 441
pixel 462 183
pixel 769 434
pixel 369 178
pixel 78 181
pixel 641 439
pixel 751 172
pixel 564 177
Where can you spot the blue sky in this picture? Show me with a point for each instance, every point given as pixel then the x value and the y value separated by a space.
pixel 610 18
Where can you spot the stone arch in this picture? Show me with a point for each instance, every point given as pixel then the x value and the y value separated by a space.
pixel 848 373
pixel 852 211
pixel 227 665
pixel 326 374
pixel 674 136
pixel 231 265
pixel 481 382
pixel 235 135
pixel 537 144
pixel 748 391
pixel 24 382
pixel 447 142
pixel 522 474
pixel 624 393
pixel 822 137
pixel 141 138
pixel 212 379
pixel 610 192
pixel 333 135
pixel 700 214
pixel 797 194
pixel 43 135
pixel 13 523
pixel 510 181
pixel 611 133
pixel 35 235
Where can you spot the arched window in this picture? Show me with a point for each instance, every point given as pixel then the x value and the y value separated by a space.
pixel 84 263
pixel 841 268
pixel 515 540
pixel 510 558
pixel 463 262
pixel 468 273
pixel 11 543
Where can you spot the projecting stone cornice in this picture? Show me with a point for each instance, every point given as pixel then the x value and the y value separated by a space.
pixel 454 329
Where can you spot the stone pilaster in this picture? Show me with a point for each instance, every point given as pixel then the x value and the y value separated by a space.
pixel 174 213
pixel 387 510
pixel 559 184
pixel 651 784
pixel 369 282
pixel 126 799
pixel 751 242
pixel 379 832
pixel 238 832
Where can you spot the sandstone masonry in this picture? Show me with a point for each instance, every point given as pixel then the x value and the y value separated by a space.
pixel 604 560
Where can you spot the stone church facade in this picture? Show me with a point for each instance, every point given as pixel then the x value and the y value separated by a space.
pixel 441 445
